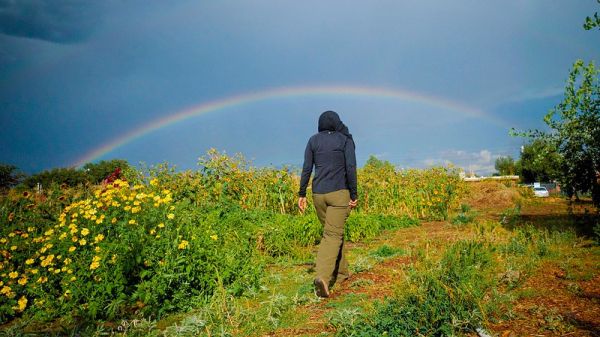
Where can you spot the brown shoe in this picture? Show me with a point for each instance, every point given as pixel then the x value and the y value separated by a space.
pixel 321 288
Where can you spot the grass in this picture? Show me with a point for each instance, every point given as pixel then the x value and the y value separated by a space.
pixel 434 279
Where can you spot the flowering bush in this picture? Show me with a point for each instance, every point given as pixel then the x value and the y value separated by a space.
pixel 121 245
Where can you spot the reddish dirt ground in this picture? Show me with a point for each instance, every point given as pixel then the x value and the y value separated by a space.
pixel 557 305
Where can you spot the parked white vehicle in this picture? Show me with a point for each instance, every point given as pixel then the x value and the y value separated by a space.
pixel 541 192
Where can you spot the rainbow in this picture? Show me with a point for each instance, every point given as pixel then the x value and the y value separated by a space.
pixel 278 93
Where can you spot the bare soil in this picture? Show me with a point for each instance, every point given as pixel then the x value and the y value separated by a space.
pixel 558 304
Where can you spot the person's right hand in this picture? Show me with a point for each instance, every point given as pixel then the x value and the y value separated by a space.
pixel 353 203
pixel 302 204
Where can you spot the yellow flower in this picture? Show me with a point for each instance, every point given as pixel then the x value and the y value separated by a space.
pixel 74 239
pixel 161 225
pixel 132 222
pixel 29 261
pixel 42 279
pixel 214 237
pixel 73 279
pixel 136 203
pixel 85 231
pixel 49 232
pixel 13 248
pixel 13 274
pixel 23 281
pixel 127 208
pixel 62 236
pixel 183 244
pixel 171 208
pixel 154 182
pixel 170 216
pixel 99 238
pixel 114 220
pixel 3 240
pixel 152 231
pixel 5 290
pixel 47 261
pixel 72 249
pixel 22 303
pixel 82 242
pixel 34 271
pixel 95 262
pixel 97 249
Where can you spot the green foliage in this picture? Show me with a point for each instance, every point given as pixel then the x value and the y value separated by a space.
pixel 361 226
pixel 125 247
pixel 505 166
pixel 68 176
pixel 465 215
pixel 575 132
pixel 592 22
pixel 416 193
pixel 9 176
pixel 385 251
pixel 96 172
pixel 462 218
pixel 376 163
pixel 539 162
pixel 166 241
pixel 444 298
pixel 596 230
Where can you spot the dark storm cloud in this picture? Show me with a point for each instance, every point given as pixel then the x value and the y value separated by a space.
pixel 61 21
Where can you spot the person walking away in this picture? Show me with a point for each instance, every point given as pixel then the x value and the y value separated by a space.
pixel 332 153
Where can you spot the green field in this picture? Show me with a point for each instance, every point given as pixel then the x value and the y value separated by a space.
pixel 222 251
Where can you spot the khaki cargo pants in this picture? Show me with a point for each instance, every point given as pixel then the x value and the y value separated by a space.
pixel 332 211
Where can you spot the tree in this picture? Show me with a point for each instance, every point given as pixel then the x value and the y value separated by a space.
pixel 96 172
pixel 592 22
pixel 9 176
pixel 505 166
pixel 377 163
pixel 539 162
pixel 69 176
pixel 575 132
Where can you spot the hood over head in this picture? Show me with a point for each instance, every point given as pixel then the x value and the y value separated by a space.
pixel 330 121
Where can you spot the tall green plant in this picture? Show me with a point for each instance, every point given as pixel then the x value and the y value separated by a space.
pixel 575 132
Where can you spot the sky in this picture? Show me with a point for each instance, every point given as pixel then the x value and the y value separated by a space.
pixel 419 83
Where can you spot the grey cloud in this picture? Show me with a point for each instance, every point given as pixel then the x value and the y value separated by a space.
pixel 61 21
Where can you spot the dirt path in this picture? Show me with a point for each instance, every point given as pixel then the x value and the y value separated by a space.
pixel 377 283
pixel 557 302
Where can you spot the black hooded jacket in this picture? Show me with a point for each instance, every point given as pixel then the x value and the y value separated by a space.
pixel 331 151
